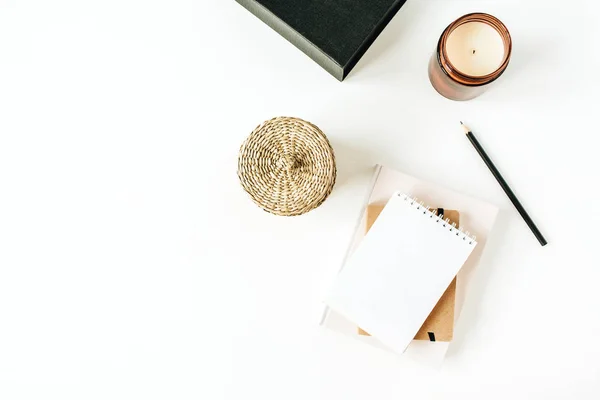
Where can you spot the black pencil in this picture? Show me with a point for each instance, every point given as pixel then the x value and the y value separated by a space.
pixel 504 185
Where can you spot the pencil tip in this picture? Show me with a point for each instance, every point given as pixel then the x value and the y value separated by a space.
pixel 465 128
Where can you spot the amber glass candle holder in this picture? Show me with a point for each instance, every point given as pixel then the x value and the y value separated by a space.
pixel 472 52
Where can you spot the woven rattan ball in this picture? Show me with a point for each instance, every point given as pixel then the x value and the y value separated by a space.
pixel 287 166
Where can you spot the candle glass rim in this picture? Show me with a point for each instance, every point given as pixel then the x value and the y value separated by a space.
pixel 474 80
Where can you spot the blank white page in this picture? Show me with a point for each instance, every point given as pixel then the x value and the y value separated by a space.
pixel 400 270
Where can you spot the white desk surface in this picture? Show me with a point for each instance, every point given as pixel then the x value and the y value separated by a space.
pixel 133 266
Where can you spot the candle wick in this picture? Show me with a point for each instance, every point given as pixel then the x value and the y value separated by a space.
pixel 473 51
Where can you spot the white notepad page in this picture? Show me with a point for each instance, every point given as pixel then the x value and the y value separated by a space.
pixel 400 270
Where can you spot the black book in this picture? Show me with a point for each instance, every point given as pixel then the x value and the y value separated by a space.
pixel 334 33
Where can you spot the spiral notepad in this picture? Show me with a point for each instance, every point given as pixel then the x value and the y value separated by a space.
pixel 402 267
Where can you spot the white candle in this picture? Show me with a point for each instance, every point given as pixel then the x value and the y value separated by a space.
pixel 475 49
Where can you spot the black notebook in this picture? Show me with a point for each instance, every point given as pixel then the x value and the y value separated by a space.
pixel 334 33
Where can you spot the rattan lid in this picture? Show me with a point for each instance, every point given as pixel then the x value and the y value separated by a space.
pixel 287 166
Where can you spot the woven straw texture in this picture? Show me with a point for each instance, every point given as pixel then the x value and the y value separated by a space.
pixel 287 166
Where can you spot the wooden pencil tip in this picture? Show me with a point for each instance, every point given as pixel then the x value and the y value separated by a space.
pixel 465 128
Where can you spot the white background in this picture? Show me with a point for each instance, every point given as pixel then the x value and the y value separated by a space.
pixel 133 266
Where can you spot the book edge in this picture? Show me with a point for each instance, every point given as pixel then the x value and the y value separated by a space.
pixel 294 37
pixel 370 39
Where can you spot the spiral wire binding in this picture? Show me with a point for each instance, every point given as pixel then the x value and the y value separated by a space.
pixel 445 222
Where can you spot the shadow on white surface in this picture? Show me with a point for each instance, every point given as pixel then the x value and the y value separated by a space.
pixel 351 161
pixel 387 41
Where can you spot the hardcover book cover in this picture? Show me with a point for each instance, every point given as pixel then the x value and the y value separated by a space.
pixel 334 33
